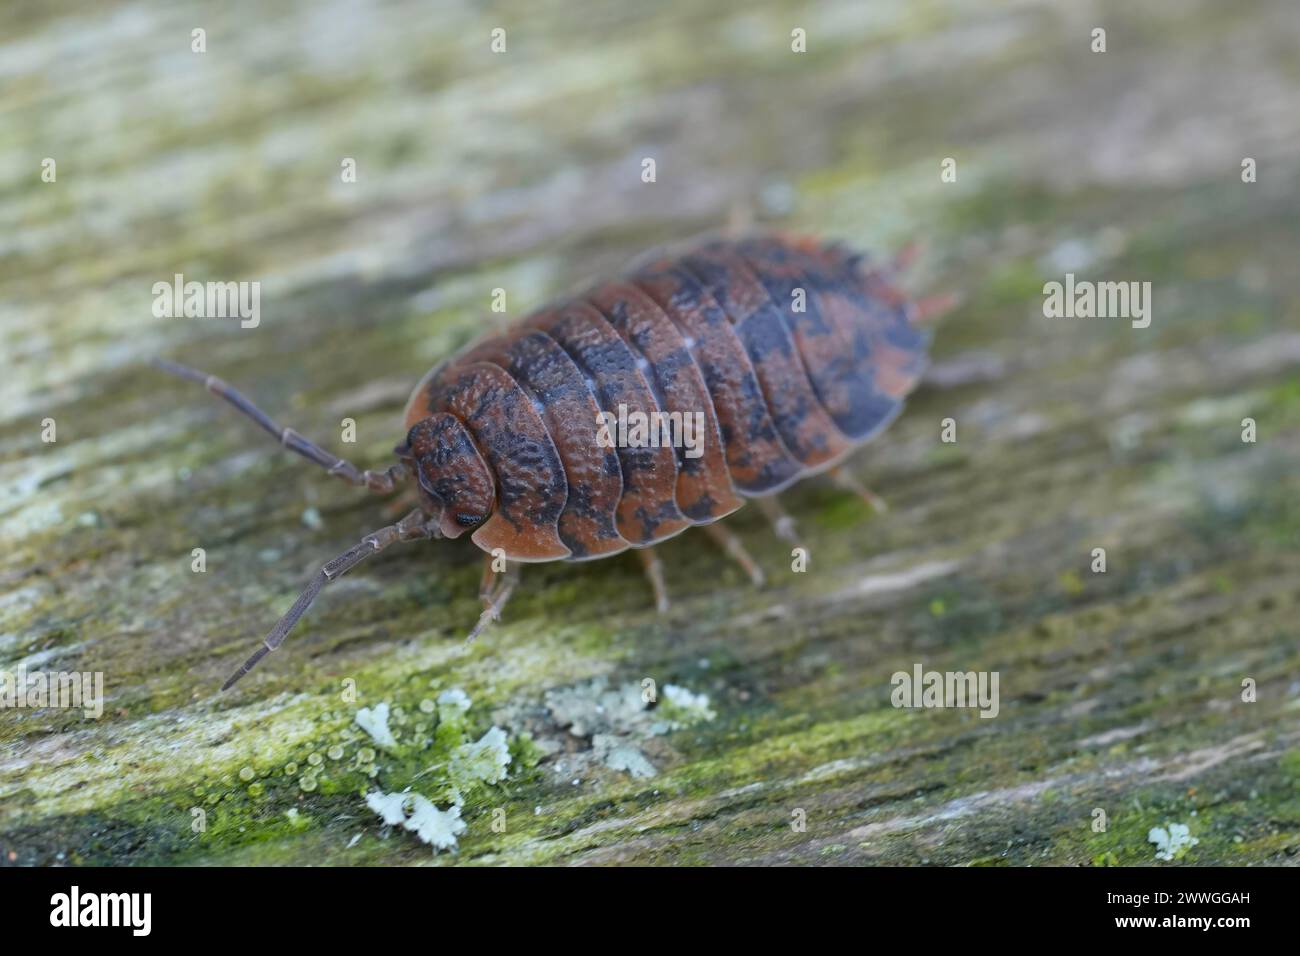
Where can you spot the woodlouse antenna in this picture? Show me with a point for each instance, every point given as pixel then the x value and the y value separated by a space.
pixel 382 482
pixel 414 525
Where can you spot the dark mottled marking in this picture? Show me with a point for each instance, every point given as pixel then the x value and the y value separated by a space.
pixel 837 351
pixel 559 392
pixel 531 486
pixel 805 427
pixel 757 459
pixel 647 510
pixel 704 488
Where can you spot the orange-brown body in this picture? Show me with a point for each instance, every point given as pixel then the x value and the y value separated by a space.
pixel 794 352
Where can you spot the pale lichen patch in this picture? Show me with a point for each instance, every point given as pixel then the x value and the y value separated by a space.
pixel 1172 842
pixel 617 722
pixel 455 768
pixel 437 827
pixel 374 721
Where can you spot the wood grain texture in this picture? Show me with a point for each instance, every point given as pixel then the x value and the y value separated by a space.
pixel 1119 691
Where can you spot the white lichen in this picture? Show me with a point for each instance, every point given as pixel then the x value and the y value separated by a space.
pixel 460 771
pixel 685 708
pixel 618 720
pixel 619 755
pixel 453 704
pixel 389 806
pixel 593 708
pixel 484 760
pixel 438 828
pixel 1173 842
pixel 374 721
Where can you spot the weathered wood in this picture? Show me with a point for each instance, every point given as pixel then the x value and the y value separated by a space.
pixel 1120 691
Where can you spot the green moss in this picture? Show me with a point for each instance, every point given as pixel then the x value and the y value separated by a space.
pixel 1290 766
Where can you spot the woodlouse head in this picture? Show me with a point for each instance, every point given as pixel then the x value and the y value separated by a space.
pixel 455 482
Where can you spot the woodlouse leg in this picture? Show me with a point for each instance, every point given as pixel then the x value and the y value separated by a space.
pixel 782 521
pixel 382 482
pixel 740 218
pixel 488 582
pixel 494 591
pixel 906 256
pixel 933 306
pixel 733 546
pixel 847 482
pixel 654 572
pixel 414 525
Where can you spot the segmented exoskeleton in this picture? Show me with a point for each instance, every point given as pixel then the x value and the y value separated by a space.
pixel 790 352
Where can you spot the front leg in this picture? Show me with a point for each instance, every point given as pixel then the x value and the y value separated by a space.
pixel 494 591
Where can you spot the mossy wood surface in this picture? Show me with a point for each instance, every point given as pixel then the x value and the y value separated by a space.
pixel 523 170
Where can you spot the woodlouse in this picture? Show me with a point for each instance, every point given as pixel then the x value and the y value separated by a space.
pixel 793 352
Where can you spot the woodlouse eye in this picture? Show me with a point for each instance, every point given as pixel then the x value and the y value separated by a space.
pixel 467 520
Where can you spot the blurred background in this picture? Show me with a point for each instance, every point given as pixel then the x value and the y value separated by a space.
pixel 522 170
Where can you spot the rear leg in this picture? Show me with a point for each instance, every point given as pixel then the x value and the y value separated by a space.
pixel 846 482
pixel 733 546
pixel 654 572
pixel 933 307
pixel 783 523
pixel 921 311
